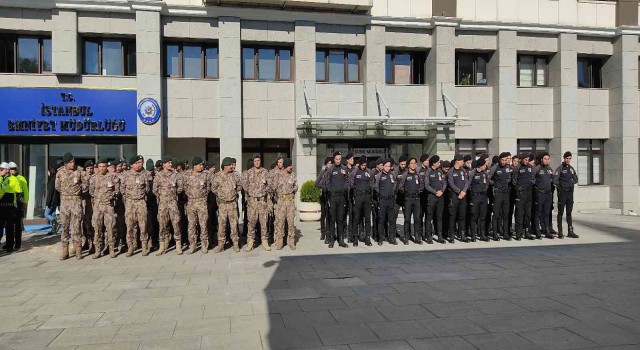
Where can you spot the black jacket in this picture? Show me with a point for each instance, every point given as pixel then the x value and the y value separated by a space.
pixel 52 199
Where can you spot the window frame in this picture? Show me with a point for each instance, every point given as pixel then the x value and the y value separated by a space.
pixel 256 61
pixel 590 153
pixel 475 55
pixel 534 82
pixel 326 51
pixel 414 56
pixel 534 146
pixel 125 45
pixel 12 39
pixel 204 46
pixel 590 75
pixel 475 151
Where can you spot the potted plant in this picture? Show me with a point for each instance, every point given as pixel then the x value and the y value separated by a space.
pixel 309 209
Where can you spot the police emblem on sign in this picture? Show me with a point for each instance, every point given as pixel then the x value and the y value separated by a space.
pixel 148 111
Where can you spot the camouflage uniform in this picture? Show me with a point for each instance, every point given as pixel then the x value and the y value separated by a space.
pixel 196 188
pixel 87 211
pixel 166 186
pixel 121 226
pixel 104 189
pixel 212 205
pixel 256 188
pixel 285 186
pixel 226 187
pixel 182 205
pixel 134 187
pixel 71 186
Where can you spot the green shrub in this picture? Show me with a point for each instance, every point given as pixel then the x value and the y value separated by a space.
pixel 309 193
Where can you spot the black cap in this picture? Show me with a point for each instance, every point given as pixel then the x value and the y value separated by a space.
pixel 328 160
pixel 458 157
pixel 424 157
pixel 196 161
pixel 467 158
pixel 336 153
pixel 531 156
pixel 88 164
pixel 402 158
pixel 134 159
pixel 480 162
pixel 503 155
pixel 380 161
pixel 566 154
pixel 67 157
pixel 287 163
pixel 102 160
pixel 149 164
pixel 166 159
pixel 445 164
pixel 226 161
pixel 434 159
pixel 362 160
pixel 349 156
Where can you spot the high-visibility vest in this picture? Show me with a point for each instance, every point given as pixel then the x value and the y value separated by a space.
pixel 8 190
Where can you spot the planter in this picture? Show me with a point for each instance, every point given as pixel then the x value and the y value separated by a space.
pixel 309 211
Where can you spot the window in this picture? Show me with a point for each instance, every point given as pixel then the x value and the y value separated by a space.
pixel 589 72
pixel 473 148
pixel 338 65
pixel 471 69
pixel 109 57
pixel 533 146
pixel 266 63
pixel 405 67
pixel 191 60
pixel 532 71
pixel 25 54
pixel 590 162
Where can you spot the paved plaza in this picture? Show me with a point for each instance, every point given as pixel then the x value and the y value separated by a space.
pixel 544 294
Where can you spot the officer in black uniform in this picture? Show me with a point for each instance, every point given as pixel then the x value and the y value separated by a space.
pixel 324 202
pixel 422 171
pixel 435 184
pixel 458 184
pixel 500 177
pixel 543 178
pixel 377 169
pixel 514 162
pixel 478 187
pixel 336 182
pixel 565 178
pixel 521 178
pixel 349 161
pixel 399 173
pixel 411 185
pixel 385 186
pixel 468 166
pixel 361 181
pixel 445 165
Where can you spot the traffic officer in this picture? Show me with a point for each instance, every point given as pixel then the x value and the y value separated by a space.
pixel 565 178
pixel 336 182
pixel 9 190
pixel 361 181
pixel 521 177
pixel 385 187
pixel 435 184
pixel 543 178
pixel 411 185
pixel 23 203
pixel 500 177
pixel 459 184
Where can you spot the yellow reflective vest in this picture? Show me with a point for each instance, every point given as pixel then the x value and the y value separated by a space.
pixel 8 190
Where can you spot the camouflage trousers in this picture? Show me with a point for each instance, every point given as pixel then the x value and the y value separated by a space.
pixel 169 214
pixel 87 215
pixel 71 216
pixel 104 222
pixel 228 211
pixel 198 215
pixel 136 217
pixel 121 226
pixel 285 212
pixel 257 211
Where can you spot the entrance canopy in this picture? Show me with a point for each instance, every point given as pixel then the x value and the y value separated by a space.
pixel 371 126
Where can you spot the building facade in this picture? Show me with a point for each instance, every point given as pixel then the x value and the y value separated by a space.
pixel 305 77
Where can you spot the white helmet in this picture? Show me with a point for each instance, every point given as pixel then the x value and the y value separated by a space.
pixel 4 165
pixel 12 165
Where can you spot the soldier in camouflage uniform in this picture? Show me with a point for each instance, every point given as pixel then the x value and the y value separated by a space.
pixel 104 187
pixel 256 188
pixel 69 182
pixel 226 185
pixel 166 186
pixel 196 188
pixel 135 184
pixel 87 207
pixel 121 227
pixel 284 185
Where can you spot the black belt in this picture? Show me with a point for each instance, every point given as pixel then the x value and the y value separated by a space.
pixel 500 190
pixel 520 189
pixel 567 189
pixel 412 196
pixel 338 192
pixel 362 192
pixel 387 197
pixel 543 190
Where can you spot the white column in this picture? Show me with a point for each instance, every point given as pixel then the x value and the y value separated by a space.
pixel 230 89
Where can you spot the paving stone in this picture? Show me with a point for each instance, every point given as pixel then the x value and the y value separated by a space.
pixel 368 301
pixel 110 346
pixel 29 339
pixel 322 304
pixel 60 308
pixel 596 315
pixel 275 307
pixel 244 340
pixel 357 316
pixel 143 293
pixel 522 321
pixel 383 345
pixel 335 335
pixel 557 338
pixel 109 306
pixel 224 310
pixel 150 331
pixel 124 318
pixel 84 336
pixel 287 339
pixel 580 301
pixel 293 293
pixel 443 343
pixel 539 304
pixel 444 327
pixel 71 321
pixel 413 298
pixel 399 330
pixel 205 326
pixel 157 303
pixel 451 309
pixel 604 334
pixel 261 323
pixel 301 319
pixel 188 342
pixel 491 307
pixel 501 341
pixel 406 312
pixel 374 290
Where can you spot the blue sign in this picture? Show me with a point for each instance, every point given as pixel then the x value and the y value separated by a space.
pixel 73 112
pixel 148 111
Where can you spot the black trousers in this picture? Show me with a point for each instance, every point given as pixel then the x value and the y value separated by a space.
pixel 17 231
pixel 513 194
pixel 350 223
pixel 423 211
pixel 362 211
pixel 500 211
pixel 386 209
pixel 565 199
pixel 337 212
pixel 435 206
pixel 478 207
pixel 523 209
pixel 545 199
pixel 412 209
pixel 324 212
pixel 457 213
pixel 8 219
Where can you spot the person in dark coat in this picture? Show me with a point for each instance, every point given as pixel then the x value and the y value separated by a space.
pixel 52 200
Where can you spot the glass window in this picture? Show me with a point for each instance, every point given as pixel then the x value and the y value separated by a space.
pixel 173 60
pixel 131 58
pixel 129 150
pixel 388 67
pixel 473 148
pixel 248 63
pixel 590 162
pixel 402 68
pixel 532 71
pixel 471 69
pixel 465 70
pixel 534 146
pixel 405 67
pixel 320 66
pixel 110 152
pixel 353 67
pixel 589 72
pixel 7 55
pixel 266 64
pixel 285 64
pixel 112 57
pixel 91 57
pixel 526 71
pixel 191 61
pixel 211 66
pixel 28 55
pixel 336 66
pixel 541 71
pixel 46 55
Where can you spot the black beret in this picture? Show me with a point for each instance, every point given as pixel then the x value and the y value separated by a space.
pixel 372 164
pixel 566 154
pixel 503 155
pixel 434 159
pixel 336 153
pixel 158 163
pixel 287 163
pixel 149 165
pixel 166 159
pixel 197 160
pixel 103 160
pixel 392 161
pixel 349 155
pixel 531 156
pixel 88 164
pixel 134 159
pixel 402 158
pixel 362 160
pixel 226 161
pixel 424 157
pixel 273 165
pixel 67 157
pixel 328 160
pixel 380 161
pixel 474 163
pixel 445 164
pixel 480 162
pixel 467 158
pixel 457 157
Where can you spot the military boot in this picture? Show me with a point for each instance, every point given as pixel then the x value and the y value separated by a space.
pixel 571 233
pixel 403 239
pixel 463 236
pixel 527 234
pixel 547 233
pixel 112 250
pixel 560 234
pixel 145 248
pixel 130 250
pixel 483 236
pixel 65 251
pixel 265 245
pixel 440 239
pixel 179 247
pixel 78 249
pixel 219 248
pixel 98 251
pixel 204 246
pixel 162 249
pixel 496 236
pixel 192 248
pixel 250 245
